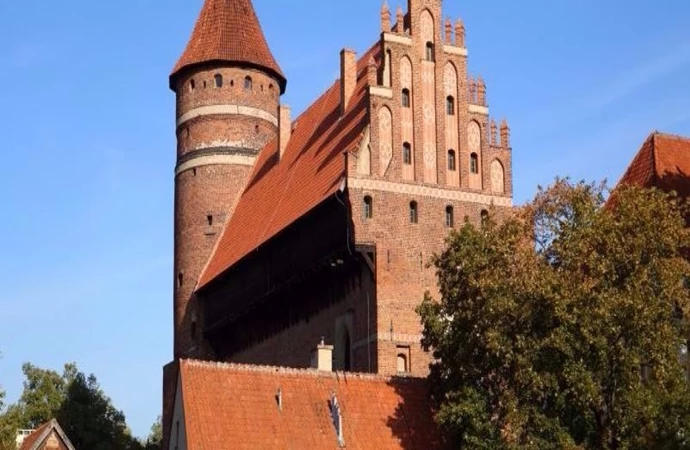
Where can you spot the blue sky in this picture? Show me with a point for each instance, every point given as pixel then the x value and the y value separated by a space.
pixel 88 145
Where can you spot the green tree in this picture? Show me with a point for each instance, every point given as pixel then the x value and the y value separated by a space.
pixel 155 439
pixel 561 326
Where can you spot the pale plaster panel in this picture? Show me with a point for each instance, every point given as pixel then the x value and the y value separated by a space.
pixel 229 110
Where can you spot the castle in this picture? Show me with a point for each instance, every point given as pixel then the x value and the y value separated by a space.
pixel 290 231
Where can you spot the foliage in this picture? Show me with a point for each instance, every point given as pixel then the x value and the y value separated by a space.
pixel 77 402
pixel 156 436
pixel 559 328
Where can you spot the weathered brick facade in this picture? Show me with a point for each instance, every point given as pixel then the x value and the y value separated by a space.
pixel 426 139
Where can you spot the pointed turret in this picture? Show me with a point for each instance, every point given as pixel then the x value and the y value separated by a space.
pixel 228 31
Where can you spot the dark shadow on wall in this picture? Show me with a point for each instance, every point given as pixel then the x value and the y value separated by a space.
pixel 413 420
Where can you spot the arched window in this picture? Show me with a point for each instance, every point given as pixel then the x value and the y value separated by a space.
pixel 248 83
pixel 368 207
pixel 450 105
pixel 270 88
pixel 451 160
pixel 407 153
pixel 485 216
pixel 219 80
pixel 474 163
pixel 414 212
pixel 402 366
pixel 450 217
pixel 192 84
pixel 429 51
pixel 405 98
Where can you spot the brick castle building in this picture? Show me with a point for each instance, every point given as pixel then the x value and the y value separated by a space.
pixel 290 230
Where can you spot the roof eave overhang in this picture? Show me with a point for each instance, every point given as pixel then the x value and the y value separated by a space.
pixel 282 81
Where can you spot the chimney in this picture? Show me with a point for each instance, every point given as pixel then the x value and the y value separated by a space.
pixel 285 128
pixel 348 77
pixel 322 357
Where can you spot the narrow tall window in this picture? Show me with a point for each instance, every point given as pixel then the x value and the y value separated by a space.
pixel 429 51
pixel 219 80
pixel 368 207
pixel 248 83
pixel 403 359
pixel 414 212
pixel 451 160
pixel 450 105
pixel 192 84
pixel 450 217
pixel 209 219
pixel 474 163
pixel 405 98
pixel 407 153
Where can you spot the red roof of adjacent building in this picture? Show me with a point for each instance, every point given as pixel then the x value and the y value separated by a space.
pixel 36 440
pixel 227 405
pixel 281 190
pixel 229 31
pixel 663 162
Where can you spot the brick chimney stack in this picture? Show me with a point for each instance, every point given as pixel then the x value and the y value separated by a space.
pixel 348 77
pixel 285 128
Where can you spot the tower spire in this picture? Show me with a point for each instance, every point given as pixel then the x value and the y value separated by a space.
pixel 229 31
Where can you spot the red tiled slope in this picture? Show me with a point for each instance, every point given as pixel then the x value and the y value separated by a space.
pixel 312 167
pixel 231 406
pixel 663 161
pixel 35 436
pixel 228 30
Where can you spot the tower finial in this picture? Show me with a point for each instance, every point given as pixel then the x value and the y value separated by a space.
pixel 494 133
pixel 449 32
pixel 505 134
pixel 372 72
pixel 481 91
pixel 399 21
pixel 385 18
pixel 460 33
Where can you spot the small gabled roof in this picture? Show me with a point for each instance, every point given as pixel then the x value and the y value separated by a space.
pixel 663 161
pixel 258 407
pixel 37 439
pixel 281 190
pixel 229 31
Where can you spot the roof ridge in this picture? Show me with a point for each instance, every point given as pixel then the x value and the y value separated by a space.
pixel 671 135
pixel 268 369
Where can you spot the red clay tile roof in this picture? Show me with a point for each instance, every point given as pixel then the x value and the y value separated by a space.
pixel 234 406
pixel 311 170
pixel 663 161
pixel 229 31
pixel 36 439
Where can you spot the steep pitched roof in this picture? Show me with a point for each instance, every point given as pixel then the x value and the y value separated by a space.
pixel 36 439
pixel 663 161
pixel 227 403
pixel 281 191
pixel 229 31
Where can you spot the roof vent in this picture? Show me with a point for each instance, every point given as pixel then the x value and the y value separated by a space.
pixel 279 399
pixel 337 417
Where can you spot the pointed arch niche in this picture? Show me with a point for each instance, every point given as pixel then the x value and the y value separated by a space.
pixel 497 177
pixel 385 139
pixel 450 89
pixel 474 144
pixel 407 115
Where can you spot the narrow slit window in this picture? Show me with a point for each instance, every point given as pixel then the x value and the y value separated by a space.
pixel 248 84
pixel 474 163
pixel 368 207
pixel 414 212
pixel 430 51
pixel 219 80
pixel 451 160
pixel 180 279
pixel 450 217
pixel 405 98
pixel 192 84
pixel 450 105
pixel 484 216
pixel 407 153
pixel 209 219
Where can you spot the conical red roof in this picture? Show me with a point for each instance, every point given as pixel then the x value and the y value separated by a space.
pixel 229 31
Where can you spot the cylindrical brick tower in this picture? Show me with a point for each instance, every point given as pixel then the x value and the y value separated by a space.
pixel 228 88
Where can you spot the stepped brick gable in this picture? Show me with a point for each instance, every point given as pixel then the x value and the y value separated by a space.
pixel 289 230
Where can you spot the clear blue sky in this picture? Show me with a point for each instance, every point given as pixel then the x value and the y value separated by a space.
pixel 87 126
